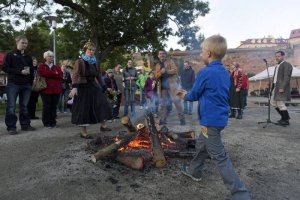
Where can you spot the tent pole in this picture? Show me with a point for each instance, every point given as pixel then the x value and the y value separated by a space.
pixel 259 87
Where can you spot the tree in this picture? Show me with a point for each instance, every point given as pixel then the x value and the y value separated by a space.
pixel 6 36
pixel 39 40
pixel 131 24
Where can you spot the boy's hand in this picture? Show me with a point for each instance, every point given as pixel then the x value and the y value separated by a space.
pixel 181 93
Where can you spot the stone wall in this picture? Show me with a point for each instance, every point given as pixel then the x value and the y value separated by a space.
pixel 251 60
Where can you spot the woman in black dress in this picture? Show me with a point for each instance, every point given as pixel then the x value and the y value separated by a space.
pixel 90 106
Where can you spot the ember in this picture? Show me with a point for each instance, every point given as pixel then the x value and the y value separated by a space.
pixel 146 144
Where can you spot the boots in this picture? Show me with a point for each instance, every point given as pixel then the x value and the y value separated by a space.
pixel 232 113
pixel 285 118
pixel 279 112
pixel 240 114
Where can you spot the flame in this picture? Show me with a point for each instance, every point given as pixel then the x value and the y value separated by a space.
pixel 143 141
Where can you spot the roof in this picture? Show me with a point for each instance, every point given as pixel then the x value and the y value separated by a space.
pixel 265 41
pixel 295 33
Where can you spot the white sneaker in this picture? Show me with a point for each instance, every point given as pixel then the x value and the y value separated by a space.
pixel 110 121
pixel 141 107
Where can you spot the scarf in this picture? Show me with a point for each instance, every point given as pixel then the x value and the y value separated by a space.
pixel 90 60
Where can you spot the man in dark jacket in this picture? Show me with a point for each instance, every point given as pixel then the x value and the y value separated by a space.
pixel 19 68
pixel 281 87
pixel 118 76
pixel 130 76
pixel 187 82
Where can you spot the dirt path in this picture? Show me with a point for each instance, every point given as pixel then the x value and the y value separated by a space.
pixel 54 164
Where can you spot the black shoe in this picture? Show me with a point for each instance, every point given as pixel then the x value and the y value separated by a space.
pixel 86 136
pixel 35 117
pixel 104 128
pixel 239 116
pixel 283 123
pixel 182 122
pixel 12 132
pixel 116 117
pixel 161 122
pixel 28 128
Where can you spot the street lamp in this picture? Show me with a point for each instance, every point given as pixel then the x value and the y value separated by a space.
pixel 52 21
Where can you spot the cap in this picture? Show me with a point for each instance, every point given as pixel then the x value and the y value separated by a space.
pixel 109 71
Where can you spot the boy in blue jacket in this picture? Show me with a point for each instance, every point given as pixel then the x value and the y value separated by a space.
pixel 211 89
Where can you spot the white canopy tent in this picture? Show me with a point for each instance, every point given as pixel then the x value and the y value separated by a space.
pixel 264 74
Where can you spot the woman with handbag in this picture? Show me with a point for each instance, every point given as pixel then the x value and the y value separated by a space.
pixel 34 96
pixel 50 95
pixel 90 106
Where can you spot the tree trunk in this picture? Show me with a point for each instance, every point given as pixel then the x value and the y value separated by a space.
pixel 133 161
pixel 158 153
pixel 128 124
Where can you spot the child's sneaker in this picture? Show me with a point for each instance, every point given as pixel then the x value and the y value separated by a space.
pixel 185 171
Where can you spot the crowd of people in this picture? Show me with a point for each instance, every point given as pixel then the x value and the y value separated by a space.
pixel 157 89
pixel 95 97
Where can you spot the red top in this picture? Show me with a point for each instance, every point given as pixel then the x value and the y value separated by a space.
pixel 237 78
pixel 1 58
pixel 245 82
pixel 53 76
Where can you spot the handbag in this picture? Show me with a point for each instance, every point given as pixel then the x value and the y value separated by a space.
pixel 39 83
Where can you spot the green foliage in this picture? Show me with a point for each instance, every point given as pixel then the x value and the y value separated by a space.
pixel 6 36
pixel 116 26
pixel 39 40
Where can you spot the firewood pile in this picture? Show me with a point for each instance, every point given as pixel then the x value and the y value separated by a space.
pixel 143 143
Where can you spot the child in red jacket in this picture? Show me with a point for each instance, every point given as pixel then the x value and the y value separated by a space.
pixel 150 90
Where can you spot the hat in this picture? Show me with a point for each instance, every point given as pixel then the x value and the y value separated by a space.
pixel 109 71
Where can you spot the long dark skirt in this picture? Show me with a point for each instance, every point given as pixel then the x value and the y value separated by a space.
pixel 235 100
pixel 90 106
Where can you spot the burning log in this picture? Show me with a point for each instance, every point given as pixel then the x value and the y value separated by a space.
pixel 128 124
pixel 177 135
pixel 112 148
pixel 134 162
pixel 158 153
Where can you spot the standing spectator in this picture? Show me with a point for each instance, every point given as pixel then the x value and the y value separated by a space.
pixel 150 90
pixel 19 68
pixel 235 91
pixel 130 77
pixel 244 91
pixel 281 87
pixel 50 95
pixel 111 90
pixel 118 76
pixel 187 82
pixel 212 90
pixel 141 84
pixel 168 84
pixel 66 86
pixel 90 106
pixel 34 96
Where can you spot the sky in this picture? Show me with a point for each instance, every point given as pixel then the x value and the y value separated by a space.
pixel 238 20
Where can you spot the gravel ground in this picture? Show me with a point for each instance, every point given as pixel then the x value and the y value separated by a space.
pixel 54 163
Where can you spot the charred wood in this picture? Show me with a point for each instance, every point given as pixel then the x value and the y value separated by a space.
pixel 112 148
pixel 158 153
